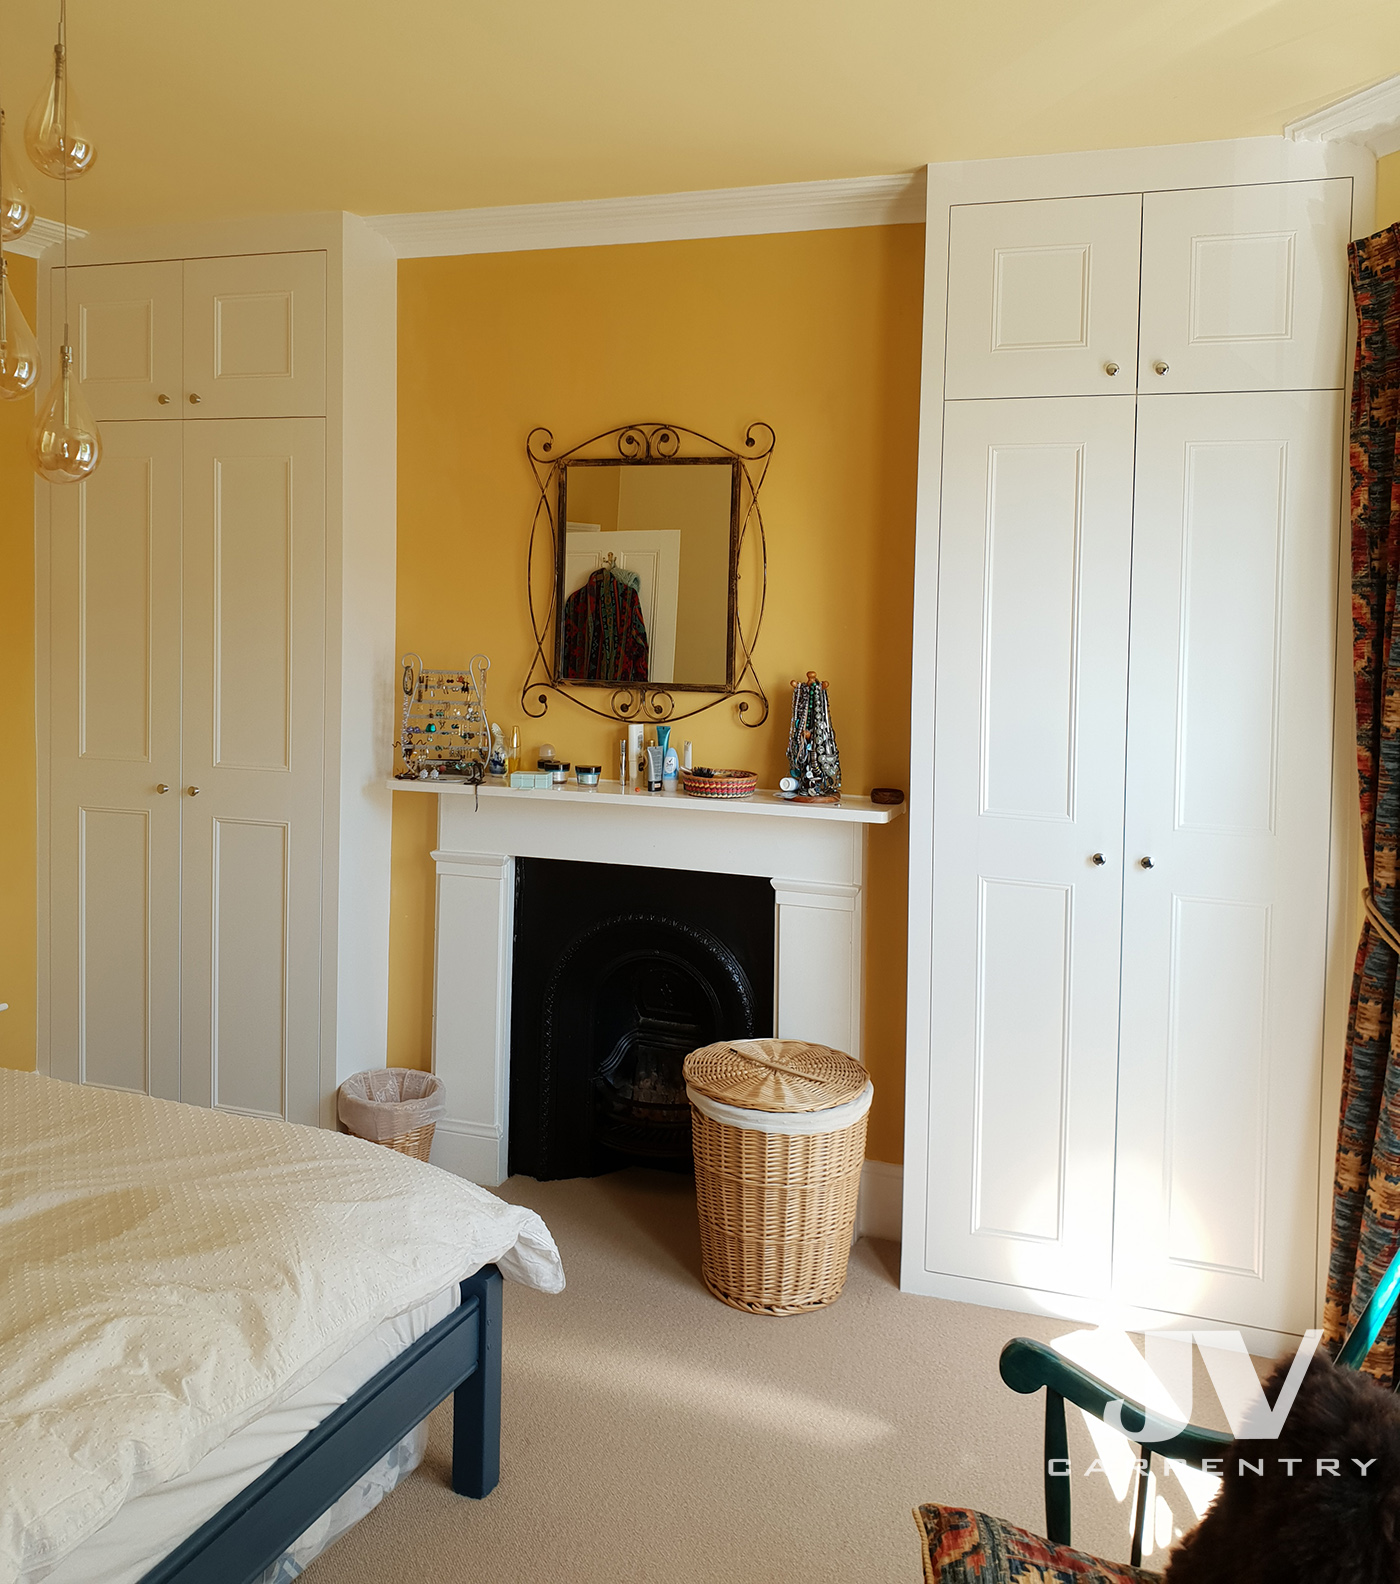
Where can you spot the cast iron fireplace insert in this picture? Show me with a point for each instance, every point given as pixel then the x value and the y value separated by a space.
pixel 619 971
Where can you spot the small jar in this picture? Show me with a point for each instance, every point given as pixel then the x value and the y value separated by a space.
pixel 561 772
pixel 588 775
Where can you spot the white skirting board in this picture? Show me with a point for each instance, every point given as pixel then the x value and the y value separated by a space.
pixel 880 1209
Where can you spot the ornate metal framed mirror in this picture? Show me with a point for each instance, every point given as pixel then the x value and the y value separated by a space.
pixel 649 529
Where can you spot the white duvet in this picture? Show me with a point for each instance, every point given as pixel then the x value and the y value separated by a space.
pixel 169 1273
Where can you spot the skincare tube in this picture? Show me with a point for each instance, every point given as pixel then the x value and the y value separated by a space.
pixel 622 764
pixel 636 764
pixel 654 761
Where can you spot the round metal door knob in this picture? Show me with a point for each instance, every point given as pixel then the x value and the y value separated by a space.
pixel 1098 860
pixel 195 400
pixel 1145 863
pixel 1161 368
pixel 194 791
pixel 1110 369
pixel 163 399
pixel 162 786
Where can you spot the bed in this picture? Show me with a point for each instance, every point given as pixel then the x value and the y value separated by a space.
pixel 220 1335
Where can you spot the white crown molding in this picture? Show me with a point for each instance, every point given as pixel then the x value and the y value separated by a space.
pixel 1371 118
pixel 42 234
pixel 661 217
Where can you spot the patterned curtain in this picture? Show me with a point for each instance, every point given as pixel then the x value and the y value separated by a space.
pixel 1366 1190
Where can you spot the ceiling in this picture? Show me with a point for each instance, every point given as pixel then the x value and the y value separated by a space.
pixel 222 108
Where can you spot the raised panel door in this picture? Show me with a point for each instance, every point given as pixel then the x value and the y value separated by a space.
pixel 114 741
pixel 1245 288
pixel 126 327
pixel 1034 561
pixel 1229 800
pixel 254 535
pixel 1043 297
pixel 255 336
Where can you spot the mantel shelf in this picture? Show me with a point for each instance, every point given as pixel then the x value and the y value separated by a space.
pixel 851 809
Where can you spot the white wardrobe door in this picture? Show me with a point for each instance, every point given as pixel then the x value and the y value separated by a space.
pixel 1245 288
pixel 1045 297
pixel 255 336
pixel 254 696
pixel 1034 556
pixel 1229 772
pixel 125 321
pixel 114 853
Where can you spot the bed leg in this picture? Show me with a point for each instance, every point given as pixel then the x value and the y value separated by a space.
pixel 476 1404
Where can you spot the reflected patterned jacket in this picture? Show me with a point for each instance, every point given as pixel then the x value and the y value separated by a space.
pixel 605 637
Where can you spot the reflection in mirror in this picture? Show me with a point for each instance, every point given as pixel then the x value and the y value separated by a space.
pixel 645 585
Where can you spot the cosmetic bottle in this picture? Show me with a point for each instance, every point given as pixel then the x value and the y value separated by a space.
pixel 670 762
pixel 636 762
pixel 653 768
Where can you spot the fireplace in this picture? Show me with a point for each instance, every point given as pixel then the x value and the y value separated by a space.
pixel 618 972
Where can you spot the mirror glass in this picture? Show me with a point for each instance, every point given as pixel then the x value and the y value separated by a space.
pixel 645 586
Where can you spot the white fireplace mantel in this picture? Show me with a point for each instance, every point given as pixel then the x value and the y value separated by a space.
pixel 814 854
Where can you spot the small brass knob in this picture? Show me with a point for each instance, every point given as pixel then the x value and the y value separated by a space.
pixel 1110 369
pixel 163 399
pixel 162 787
pixel 1160 367
pixel 195 400
pixel 194 791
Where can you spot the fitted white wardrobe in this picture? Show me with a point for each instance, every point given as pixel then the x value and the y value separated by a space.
pixel 1131 807
pixel 215 657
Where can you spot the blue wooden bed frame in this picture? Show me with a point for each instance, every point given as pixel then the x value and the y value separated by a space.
pixel 461 1355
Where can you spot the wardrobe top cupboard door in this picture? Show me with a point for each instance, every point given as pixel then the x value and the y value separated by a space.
pixel 1043 297
pixel 255 336
pixel 125 325
pixel 1245 288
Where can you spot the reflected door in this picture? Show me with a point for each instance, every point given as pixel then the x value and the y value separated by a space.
pixel 1229 798
pixel 1034 561
pixel 254 700
pixel 655 557
pixel 114 730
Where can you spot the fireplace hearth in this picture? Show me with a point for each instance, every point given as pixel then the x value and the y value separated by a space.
pixel 618 973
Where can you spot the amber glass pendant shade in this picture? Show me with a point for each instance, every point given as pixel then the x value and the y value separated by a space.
pixel 53 134
pixel 19 351
pixel 64 445
pixel 16 211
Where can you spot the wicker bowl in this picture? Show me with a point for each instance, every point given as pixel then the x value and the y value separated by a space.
pixel 719 784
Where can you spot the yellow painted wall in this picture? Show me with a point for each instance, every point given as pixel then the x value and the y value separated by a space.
pixel 816 333
pixel 17 713
pixel 1387 190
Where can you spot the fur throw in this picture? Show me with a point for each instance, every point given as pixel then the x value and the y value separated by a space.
pixel 1332 1517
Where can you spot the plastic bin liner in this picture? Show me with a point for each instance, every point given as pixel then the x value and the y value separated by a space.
pixel 389 1101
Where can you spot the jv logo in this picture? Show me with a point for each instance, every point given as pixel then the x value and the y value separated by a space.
pixel 1232 1374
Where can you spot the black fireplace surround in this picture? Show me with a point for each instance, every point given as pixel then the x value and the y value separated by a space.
pixel 619 972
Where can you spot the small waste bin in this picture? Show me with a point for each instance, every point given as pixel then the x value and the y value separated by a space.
pixel 778 1128
pixel 395 1106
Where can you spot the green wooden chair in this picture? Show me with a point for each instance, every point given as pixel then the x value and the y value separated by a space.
pixel 1028 1366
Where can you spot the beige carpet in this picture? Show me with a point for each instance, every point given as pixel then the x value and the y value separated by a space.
pixel 654 1436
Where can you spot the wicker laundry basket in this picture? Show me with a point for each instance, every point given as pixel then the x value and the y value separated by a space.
pixel 779 1135
pixel 397 1107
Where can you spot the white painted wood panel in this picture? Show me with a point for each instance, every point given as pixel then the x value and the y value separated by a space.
pixel 1031 693
pixel 255 335
pixel 1229 795
pixel 126 324
pixel 1047 297
pixel 1245 288
pixel 113 669
pixel 254 699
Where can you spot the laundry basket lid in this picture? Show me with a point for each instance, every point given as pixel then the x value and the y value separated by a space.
pixel 775 1075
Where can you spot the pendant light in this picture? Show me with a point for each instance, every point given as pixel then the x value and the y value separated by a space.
pixel 19 351
pixel 16 211
pixel 53 135
pixel 64 444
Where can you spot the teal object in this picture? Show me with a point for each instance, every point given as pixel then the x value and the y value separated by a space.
pixel 1028 1366
pixel 663 739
